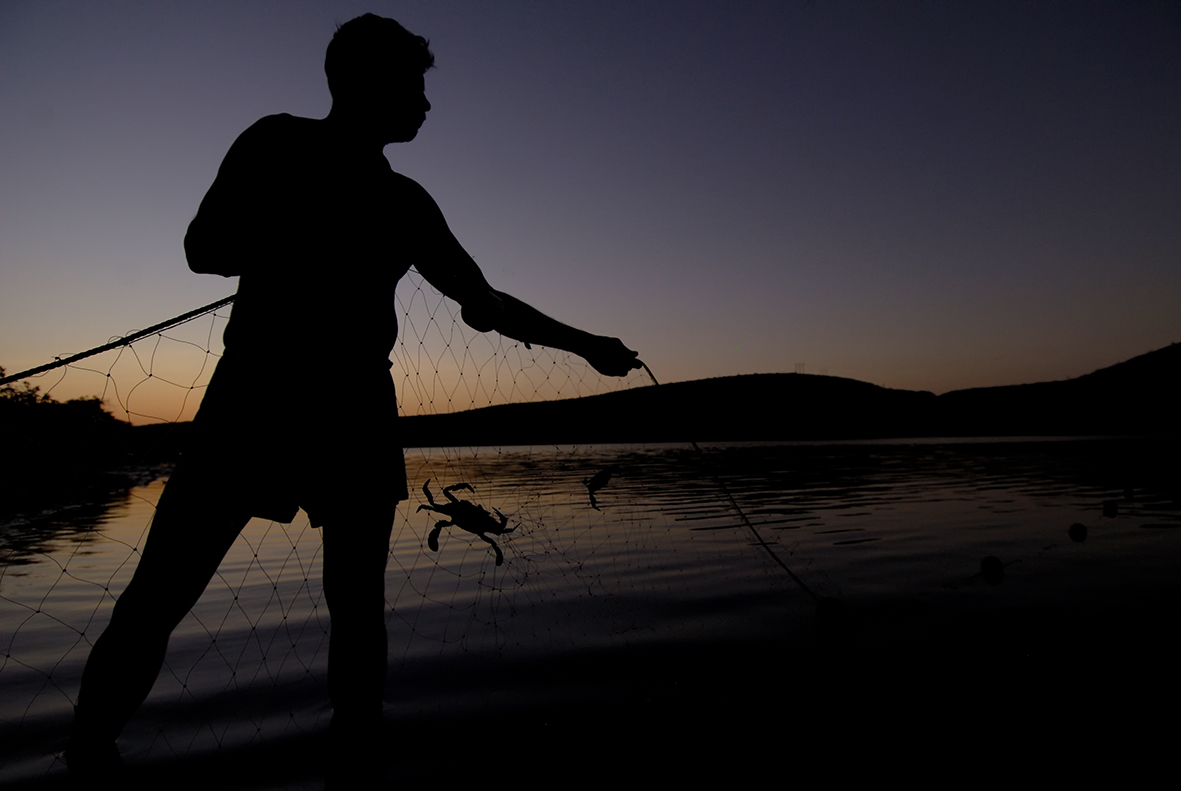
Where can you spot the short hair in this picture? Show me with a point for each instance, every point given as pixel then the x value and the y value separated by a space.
pixel 363 47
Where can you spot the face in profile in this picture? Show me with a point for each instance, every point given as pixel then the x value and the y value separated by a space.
pixel 398 106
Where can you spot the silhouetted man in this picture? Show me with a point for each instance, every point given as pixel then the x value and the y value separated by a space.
pixel 319 229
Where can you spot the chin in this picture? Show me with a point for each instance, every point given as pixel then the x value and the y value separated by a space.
pixel 403 136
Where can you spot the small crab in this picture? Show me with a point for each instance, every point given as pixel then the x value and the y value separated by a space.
pixel 465 515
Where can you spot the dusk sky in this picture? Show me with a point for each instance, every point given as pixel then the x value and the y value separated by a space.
pixel 925 195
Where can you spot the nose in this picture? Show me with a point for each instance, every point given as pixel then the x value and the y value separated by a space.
pixel 426 104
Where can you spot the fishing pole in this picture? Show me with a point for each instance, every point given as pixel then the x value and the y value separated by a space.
pixel 125 340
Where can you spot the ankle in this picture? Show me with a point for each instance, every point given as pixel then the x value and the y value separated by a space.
pixel 93 759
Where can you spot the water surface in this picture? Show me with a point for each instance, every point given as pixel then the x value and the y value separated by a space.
pixel 727 545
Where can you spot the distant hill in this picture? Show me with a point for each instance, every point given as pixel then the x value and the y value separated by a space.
pixel 757 406
pixel 1136 396
pixel 1139 396
pixel 72 446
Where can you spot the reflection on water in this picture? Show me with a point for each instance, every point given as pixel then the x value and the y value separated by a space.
pixel 27 537
pixel 657 556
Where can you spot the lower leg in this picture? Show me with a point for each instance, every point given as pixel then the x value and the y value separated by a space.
pixel 182 552
pixel 354 586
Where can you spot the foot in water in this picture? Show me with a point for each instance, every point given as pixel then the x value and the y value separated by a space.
pixel 94 761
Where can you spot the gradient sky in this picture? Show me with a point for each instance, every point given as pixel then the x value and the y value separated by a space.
pixel 927 195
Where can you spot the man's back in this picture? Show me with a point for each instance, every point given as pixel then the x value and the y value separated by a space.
pixel 320 233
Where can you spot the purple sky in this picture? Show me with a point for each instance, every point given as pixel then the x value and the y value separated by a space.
pixel 924 195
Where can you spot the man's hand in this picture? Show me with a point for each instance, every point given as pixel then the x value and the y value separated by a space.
pixel 610 357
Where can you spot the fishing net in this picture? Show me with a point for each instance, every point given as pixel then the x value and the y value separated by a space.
pixel 589 547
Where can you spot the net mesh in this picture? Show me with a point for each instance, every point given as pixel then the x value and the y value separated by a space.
pixel 678 548
pixel 248 662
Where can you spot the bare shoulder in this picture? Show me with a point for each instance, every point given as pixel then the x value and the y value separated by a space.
pixel 280 125
pixel 413 199
pixel 269 137
pixel 411 189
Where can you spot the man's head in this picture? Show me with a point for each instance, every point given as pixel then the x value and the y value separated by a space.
pixel 371 46
pixel 375 68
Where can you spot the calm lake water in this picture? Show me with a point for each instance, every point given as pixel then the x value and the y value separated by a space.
pixel 733 543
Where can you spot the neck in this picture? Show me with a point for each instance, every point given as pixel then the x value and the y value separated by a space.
pixel 354 129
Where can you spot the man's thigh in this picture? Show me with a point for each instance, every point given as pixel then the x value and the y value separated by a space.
pixel 189 536
pixel 355 556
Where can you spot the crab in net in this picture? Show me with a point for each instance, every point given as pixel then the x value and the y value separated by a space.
pixel 465 515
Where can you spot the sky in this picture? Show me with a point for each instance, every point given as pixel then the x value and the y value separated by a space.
pixel 922 195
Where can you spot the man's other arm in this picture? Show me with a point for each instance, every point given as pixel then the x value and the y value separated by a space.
pixel 221 239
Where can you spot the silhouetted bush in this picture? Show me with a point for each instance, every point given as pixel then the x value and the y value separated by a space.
pixel 54 449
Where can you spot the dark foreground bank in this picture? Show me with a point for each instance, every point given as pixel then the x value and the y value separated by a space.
pixel 897 691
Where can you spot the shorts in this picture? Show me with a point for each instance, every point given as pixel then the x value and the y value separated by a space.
pixel 262 447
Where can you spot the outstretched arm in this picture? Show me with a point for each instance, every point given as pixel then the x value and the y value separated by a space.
pixel 451 270
pixel 510 316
